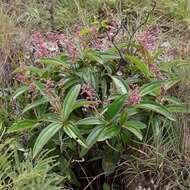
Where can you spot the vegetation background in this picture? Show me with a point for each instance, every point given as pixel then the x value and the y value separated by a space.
pixel 94 94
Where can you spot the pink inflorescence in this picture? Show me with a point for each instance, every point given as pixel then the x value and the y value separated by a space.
pixel 89 94
pixel 51 44
pixel 134 96
pixel 39 45
pixel 156 71
pixel 148 38
pixel 21 78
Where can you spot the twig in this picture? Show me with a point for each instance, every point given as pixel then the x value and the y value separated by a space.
pixel 99 175
pixel 85 175
pixel 142 24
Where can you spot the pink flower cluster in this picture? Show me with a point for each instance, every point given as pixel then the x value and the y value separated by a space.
pixel 156 71
pixel 90 95
pixel 51 44
pixel 39 45
pixel 134 96
pixel 148 38
pixel 21 78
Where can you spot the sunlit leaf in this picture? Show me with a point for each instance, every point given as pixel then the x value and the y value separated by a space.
pixel 108 132
pixel 177 108
pixel 90 121
pixel 149 88
pixel 23 125
pixel 81 103
pixel 139 64
pixel 134 130
pixel 53 61
pixel 120 85
pixel 136 124
pixel 170 83
pixel 45 135
pixel 70 101
pixel 73 132
pixel 156 107
pixel 92 139
pixel 115 107
pixel 35 104
pixel 20 91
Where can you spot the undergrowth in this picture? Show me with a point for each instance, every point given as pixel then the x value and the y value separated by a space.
pixel 94 95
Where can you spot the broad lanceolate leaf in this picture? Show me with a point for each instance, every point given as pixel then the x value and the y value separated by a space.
pixel 73 132
pixel 123 118
pixel 35 104
pixel 51 117
pixel 92 139
pixel 45 135
pixel 136 124
pixel 70 81
pixel 135 127
pixel 115 107
pixel 172 100
pixel 20 91
pixel 53 61
pixel 137 132
pixel 156 107
pixel 70 101
pixel 108 133
pixel 149 88
pixel 90 121
pixel 177 108
pixel 35 70
pixel 170 83
pixel 120 85
pixel 139 64
pixel 23 125
pixel 81 103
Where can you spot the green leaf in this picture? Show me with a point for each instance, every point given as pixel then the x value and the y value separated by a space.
pixel 136 124
pixel 149 88
pixel 35 104
pixel 35 70
pixel 90 121
pixel 177 108
pixel 20 91
pixel 134 130
pixel 120 85
pixel 73 132
pixel 53 61
pixel 156 107
pixel 109 55
pixel 40 87
pixel 92 139
pixel 132 111
pixel 70 101
pixel 123 118
pixel 108 133
pixel 70 81
pixel 139 64
pixel 81 103
pixel 23 125
pixel 115 107
pixel 172 99
pixel 45 135
pixel 170 83
pixel 51 117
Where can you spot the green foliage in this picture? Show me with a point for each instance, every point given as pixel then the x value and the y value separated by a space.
pixel 88 109
pixel 21 171
pixel 107 118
